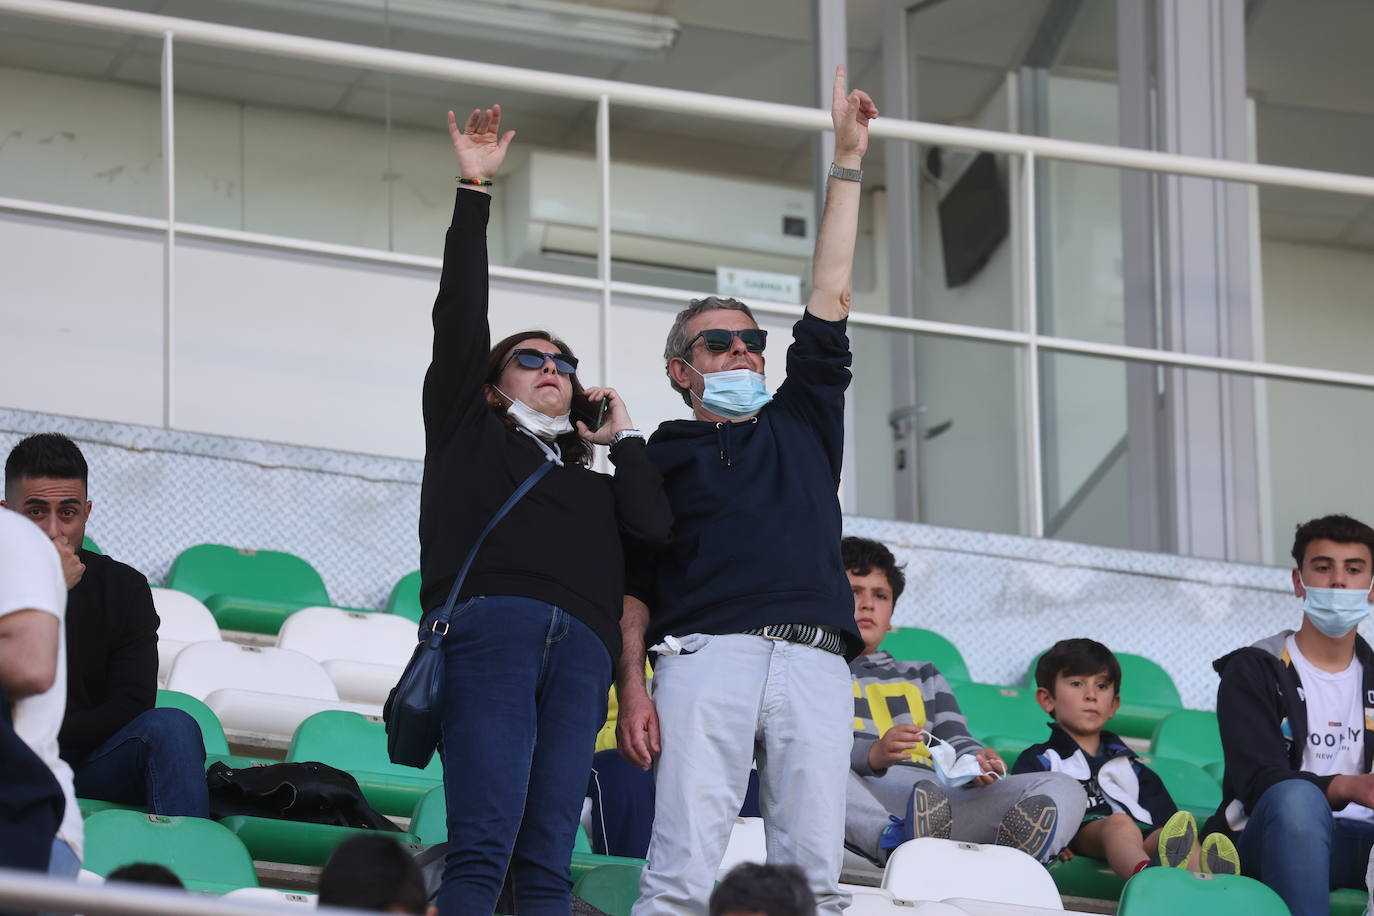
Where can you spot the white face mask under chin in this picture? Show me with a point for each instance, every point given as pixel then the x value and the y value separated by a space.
pixel 541 424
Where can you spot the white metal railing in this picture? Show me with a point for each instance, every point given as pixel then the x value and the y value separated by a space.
pixel 607 93
pixel 28 891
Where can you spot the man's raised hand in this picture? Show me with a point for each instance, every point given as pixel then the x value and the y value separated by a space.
pixel 850 113
pixel 479 144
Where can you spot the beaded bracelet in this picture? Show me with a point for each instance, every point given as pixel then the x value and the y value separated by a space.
pixel 479 182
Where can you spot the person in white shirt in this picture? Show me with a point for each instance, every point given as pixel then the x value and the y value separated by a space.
pixel 1296 712
pixel 33 663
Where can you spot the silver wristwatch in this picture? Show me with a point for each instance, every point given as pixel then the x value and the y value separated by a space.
pixel 625 434
pixel 846 174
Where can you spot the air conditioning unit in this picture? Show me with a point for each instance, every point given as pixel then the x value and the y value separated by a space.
pixel 659 217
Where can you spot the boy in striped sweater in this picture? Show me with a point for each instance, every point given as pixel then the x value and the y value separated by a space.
pixel 915 770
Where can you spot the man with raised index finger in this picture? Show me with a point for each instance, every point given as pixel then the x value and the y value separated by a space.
pixel 748 611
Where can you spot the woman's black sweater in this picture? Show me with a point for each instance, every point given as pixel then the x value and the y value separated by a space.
pixel 561 542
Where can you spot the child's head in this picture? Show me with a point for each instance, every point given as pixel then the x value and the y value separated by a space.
pixel 373 872
pixel 877 581
pixel 1078 682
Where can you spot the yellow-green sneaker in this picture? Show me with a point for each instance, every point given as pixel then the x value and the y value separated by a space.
pixel 1219 856
pixel 1177 840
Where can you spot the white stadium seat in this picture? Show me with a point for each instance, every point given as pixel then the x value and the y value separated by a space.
pixel 990 908
pixel 270 896
pixel 363 653
pixel 258 690
pixel 182 620
pixel 931 869
pixel 747 844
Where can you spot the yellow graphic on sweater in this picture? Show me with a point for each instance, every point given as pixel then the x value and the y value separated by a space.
pixel 877 695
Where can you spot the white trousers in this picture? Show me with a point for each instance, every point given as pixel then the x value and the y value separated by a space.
pixel 725 702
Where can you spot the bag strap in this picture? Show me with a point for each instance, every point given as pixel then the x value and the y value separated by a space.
pixel 436 633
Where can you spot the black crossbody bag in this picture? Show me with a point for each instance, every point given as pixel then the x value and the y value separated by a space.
pixel 414 709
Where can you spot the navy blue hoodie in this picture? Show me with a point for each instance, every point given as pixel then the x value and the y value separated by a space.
pixel 756 532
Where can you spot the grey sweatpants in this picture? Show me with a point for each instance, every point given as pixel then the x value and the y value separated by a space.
pixel 727 702
pixel 977 810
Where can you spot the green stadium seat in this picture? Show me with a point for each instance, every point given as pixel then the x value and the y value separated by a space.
pixel 405 598
pixel 1189 734
pixel 1174 890
pixel 205 855
pixel 211 732
pixel 91 806
pixel 1002 716
pixel 428 823
pixel 1148 695
pixel 1347 901
pixel 913 644
pixel 1216 770
pixel 613 889
pixel 1083 876
pixel 298 842
pixel 252 590
pixel 1190 786
pixel 92 546
pixel 357 744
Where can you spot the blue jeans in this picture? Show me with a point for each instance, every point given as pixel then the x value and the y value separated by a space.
pixel 157 760
pixel 1293 844
pixel 525 689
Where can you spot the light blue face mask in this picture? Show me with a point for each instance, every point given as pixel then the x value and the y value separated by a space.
pixel 734 393
pixel 1335 611
pixel 950 768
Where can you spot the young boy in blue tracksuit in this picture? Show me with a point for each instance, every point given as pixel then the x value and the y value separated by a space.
pixel 1131 821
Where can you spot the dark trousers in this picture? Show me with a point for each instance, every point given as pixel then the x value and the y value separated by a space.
pixel 157 760
pixel 623 805
pixel 525 689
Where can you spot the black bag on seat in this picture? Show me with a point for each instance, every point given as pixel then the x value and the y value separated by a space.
pixel 312 792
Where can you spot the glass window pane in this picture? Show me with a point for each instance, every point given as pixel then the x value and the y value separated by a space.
pixel 82 116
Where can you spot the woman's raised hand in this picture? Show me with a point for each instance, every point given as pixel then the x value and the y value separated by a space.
pixel 480 145
pixel 617 417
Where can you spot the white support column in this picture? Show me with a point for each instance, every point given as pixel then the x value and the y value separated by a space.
pixel 603 248
pixel 1035 477
pixel 169 247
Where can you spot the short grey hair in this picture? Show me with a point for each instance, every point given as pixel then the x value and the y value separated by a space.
pixel 678 344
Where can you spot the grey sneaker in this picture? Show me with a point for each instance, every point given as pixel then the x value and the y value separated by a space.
pixel 928 812
pixel 1177 840
pixel 1029 826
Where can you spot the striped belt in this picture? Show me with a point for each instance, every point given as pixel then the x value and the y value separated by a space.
pixel 827 639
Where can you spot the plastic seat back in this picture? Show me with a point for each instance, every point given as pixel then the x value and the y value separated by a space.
pixel 747 844
pixel 211 731
pixel 204 667
pixel 931 869
pixel 429 820
pixel 247 589
pixel 1002 716
pixel 349 741
pixel 183 617
pixel 612 889
pixel 92 546
pixel 1173 890
pixel 202 853
pixel 1189 785
pixel 271 897
pixel 328 633
pixel 1191 735
pixel 405 598
pixel 913 644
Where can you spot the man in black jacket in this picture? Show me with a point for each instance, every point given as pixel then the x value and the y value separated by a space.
pixel 748 611
pixel 120 747
pixel 1297 726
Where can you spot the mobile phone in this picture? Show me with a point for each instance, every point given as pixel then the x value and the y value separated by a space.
pixel 592 414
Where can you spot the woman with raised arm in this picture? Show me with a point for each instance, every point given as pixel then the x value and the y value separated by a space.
pixel 535 625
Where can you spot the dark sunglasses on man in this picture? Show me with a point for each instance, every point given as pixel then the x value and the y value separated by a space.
pixel 718 340
pixel 529 358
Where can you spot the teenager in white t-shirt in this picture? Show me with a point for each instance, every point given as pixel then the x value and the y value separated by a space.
pixel 32 588
pixel 1296 712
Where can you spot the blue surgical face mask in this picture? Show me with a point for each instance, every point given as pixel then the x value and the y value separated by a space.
pixel 733 393
pixel 1334 611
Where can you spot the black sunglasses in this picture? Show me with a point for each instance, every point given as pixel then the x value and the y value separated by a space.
pixel 718 340
pixel 529 358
